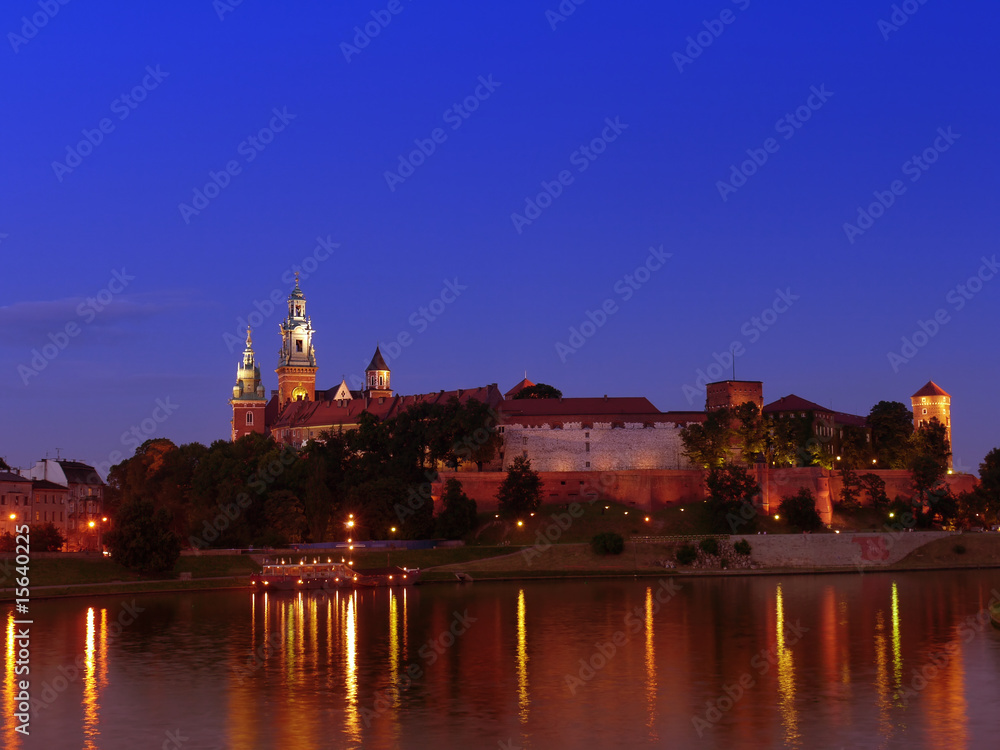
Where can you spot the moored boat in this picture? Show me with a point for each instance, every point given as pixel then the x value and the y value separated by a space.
pixel 305 575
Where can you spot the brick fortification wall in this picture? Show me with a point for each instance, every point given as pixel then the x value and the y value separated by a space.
pixel 612 446
pixel 653 489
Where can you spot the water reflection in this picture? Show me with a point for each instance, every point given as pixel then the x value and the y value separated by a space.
pixel 522 659
pixel 90 705
pixel 353 719
pixel 305 671
pixel 11 737
pixel 786 674
pixel 650 666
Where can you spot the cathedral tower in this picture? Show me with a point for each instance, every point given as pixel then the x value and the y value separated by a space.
pixel 377 377
pixel 248 400
pixel 929 402
pixel 297 358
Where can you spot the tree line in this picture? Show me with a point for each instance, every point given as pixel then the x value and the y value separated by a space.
pixel 258 492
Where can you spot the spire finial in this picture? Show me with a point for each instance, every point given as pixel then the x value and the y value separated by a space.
pixel 296 279
pixel 249 340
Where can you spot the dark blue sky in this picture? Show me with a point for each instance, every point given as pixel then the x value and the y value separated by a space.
pixel 863 101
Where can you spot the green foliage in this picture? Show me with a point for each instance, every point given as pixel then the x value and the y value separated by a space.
pixel 539 390
pixel 458 512
pixel 850 491
pixel 751 431
pixel 607 543
pixel 855 450
pixel 4 466
pixel 731 492
pixel 521 490
pixel 686 554
pixel 742 547
pixel 929 457
pixel 46 538
pixel 891 424
pixel 141 538
pixel 874 485
pixel 708 444
pixel 781 443
pixel 709 546
pixel 799 510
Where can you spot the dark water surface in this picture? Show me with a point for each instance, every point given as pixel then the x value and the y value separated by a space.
pixel 880 660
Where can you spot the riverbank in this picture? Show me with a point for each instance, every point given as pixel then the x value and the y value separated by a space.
pixel 770 555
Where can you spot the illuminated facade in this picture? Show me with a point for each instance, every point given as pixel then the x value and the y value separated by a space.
pixel 297 358
pixel 932 402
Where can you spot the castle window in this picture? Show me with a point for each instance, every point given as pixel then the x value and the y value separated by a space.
pixel 586 434
pixel 524 454
pixel 298 345
pixel 925 411
pixel 587 447
pixel 249 417
pixel 380 381
pixel 587 465
pixel 524 441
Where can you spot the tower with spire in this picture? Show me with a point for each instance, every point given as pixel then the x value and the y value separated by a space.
pixel 248 400
pixel 297 358
pixel 377 377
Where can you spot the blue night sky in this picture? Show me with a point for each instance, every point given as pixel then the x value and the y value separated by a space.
pixel 837 105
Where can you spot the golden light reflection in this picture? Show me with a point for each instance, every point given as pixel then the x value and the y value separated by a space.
pixel 90 705
pixel 11 737
pixel 102 651
pixel 650 666
pixel 393 647
pixel 351 671
pixel 897 646
pixel 522 659
pixel 882 676
pixel 406 654
pixel 786 676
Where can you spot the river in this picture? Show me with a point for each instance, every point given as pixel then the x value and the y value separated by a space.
pixel 839 661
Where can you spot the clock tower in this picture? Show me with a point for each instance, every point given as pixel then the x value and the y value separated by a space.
pixel 297 358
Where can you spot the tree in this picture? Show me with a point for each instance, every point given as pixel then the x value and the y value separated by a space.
pixel 4 465
pixel 855 450
pixel 521 490
pixel 539 390
pixel 47 538
pixel 989 484
pixel 141 538
pixel 751 431
pixel 799 510
pixel 891 424
pixel 850 490
pixel 874 485
pixel 707 444
pixel 929 457
pixel 458 512
pixel 781 442
pixel 731 491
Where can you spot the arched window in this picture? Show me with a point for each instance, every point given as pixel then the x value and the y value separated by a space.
pixel 249 417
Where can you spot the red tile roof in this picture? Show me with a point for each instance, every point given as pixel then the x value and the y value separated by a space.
pixel 534 412
pixel 518 388
pixel 794 403
pixel 320 414
pixel 931 389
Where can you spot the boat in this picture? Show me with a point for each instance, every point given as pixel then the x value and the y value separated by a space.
pixel 308 574
pixel 995 614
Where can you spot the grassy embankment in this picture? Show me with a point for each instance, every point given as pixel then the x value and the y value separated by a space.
pixel 84 575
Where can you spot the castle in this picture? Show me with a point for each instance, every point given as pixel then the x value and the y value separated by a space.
pixel 568 438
